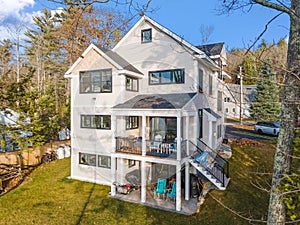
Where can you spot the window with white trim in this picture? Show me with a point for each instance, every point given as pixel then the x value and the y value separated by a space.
pixel 210 91
pixel 219 101
pixel 146 35
pixel 132 122
pixel 104 161
pixel 200 80
pixel 95 81
pixel 175 76
pixel 219 131
pixel 132 84
pixel 96 121
pixel 87 159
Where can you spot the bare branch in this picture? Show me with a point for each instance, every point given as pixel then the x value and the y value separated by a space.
pixel 262 33
pixel 236 213
pixel 271 5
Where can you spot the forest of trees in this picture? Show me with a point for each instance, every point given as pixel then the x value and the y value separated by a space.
pixel 32 69
pixel 32 78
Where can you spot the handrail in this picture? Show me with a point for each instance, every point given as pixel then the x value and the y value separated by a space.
pixel 220 168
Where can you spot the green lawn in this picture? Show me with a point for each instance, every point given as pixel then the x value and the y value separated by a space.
pixel 48 197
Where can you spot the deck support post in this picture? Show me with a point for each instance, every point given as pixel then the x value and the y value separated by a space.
pixel 187 181
pixel 179 137
pixel 113 176
pixel 143 181
pixel 187 135
pixel 144 135
pixel 178 186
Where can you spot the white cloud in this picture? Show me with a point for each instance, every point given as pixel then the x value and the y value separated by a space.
pixel 15 14
pixel 14 8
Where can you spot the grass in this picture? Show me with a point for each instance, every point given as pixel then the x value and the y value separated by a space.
pixel 48 197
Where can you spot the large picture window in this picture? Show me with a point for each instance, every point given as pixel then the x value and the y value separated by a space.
pixel 132 122
pixel 96 81
pixel 166 77
pixel 87 159
pixel 166 127
pixel 132 84
pixel 104 161
pixel 96 121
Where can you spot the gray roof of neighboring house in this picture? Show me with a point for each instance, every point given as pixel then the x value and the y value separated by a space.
pixel 157 101
pixel 120 60
pixel 249 92
pixel 211 49
pixel 216 115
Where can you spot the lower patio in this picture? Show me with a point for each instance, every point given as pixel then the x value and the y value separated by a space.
pixel 188 207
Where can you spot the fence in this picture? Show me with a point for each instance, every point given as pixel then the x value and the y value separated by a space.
pixel 31 156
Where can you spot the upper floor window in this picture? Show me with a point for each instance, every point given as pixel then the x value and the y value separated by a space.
pixel 219 101
pixel 200 80
pixel 132 84
pixel 96 81
pixel 132 122
pixel 167 77
pixel 210 90
pixel 96 121
pixel 146 35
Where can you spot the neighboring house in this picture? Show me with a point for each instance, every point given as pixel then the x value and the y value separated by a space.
pixel 217 53
pixel 232 100
pixel 8 117
pixel 147 109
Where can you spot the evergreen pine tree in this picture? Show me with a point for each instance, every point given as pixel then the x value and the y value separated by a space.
pixel 266 105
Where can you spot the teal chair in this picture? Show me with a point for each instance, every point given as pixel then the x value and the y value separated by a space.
pixel 171 194
pixel 160 189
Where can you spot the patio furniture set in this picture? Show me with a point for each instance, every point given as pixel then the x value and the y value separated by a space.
pixel 162 191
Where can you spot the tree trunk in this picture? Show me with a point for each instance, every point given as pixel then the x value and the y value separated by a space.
pixel 289 113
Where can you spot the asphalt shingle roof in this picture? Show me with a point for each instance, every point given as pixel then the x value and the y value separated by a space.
pixel 119 60
pixel 157 101
pixel 211 49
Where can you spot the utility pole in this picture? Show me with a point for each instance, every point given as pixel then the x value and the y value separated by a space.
pixel 241 95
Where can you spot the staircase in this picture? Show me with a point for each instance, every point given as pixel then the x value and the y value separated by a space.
pixel 210 164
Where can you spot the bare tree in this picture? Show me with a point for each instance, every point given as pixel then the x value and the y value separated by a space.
pixel 289 111
pixel 206 32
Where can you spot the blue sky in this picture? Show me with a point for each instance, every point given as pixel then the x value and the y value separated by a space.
pixel 237 30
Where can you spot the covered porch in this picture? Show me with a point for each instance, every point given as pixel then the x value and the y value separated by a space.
pixel 155 125
pixel 157 183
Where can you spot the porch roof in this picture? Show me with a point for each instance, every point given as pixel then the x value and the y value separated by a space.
pixel 157 101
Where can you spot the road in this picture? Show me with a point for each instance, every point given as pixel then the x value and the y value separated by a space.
pixel 232 132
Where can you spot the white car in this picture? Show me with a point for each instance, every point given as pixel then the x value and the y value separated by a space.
pixel 271 128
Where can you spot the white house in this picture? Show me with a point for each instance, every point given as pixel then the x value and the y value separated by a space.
pixel 233 103
pixel 147 110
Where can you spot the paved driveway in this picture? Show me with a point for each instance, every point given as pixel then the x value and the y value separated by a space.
pixel 233 132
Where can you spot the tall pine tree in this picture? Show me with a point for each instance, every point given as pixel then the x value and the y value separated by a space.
pixel 266 105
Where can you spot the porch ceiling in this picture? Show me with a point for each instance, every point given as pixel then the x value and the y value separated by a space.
pixel 157 101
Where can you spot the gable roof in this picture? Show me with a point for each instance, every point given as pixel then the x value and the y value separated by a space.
pixel 249 92
pixel 196 51
pixel 112 57
pixel 157 101
pixel 212 49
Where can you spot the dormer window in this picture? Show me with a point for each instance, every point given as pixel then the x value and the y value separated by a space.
pixel 146 35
